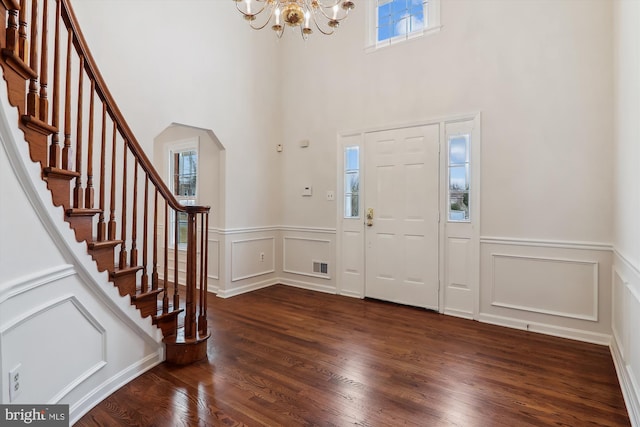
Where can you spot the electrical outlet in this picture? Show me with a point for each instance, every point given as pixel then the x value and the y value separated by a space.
pixel 15 382
pixel 330 195
pixel 261 256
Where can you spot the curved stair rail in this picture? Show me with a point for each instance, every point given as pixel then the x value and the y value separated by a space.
pixel 154 248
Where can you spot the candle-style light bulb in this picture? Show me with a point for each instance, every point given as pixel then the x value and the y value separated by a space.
pixel 248 6
pixel 277 12
pixel 335 11
pixel 307 16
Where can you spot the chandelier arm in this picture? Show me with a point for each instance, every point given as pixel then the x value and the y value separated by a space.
pixel 322 9
pixel 315 21
pixel 267 21
pixel 251 14
pixel 329 6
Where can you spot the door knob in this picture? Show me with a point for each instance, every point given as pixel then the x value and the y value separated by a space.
pixel 369 217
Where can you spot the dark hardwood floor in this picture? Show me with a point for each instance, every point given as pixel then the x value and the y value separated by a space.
pixel 283 356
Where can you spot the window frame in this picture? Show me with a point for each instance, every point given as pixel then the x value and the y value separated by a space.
pixel 468 175
pixel 171 150
pixel 351 171
pixel 431 10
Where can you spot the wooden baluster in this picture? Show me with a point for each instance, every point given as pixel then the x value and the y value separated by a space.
pixel 154 275
pixel 145 273
pixel 54 149
pixel 22 32
pixel 134 219
pixel 12 31
pixel 204 280
pixel 33 103
pixel 44 64
pixel 165 298
pixel 201 265
pixel 78 193
pixel 102 226
pixel 66 150
pixel 176 253
pixel 112 202
pixel 123 230
pixel 89 191
pixel 190 308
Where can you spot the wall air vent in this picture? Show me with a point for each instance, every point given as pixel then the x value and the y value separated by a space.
pixel 320 267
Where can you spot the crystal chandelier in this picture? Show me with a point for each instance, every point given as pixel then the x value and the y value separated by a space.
pixel 323 15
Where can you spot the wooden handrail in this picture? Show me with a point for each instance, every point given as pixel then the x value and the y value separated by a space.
pixel 86 160
pixel 80 43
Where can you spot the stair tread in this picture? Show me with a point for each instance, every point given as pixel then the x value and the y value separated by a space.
pixel 38 125
pixel 18 64
pixel 167 315
pixel 51 172
pixel 82 212
pixel 103 244
pixel 117 272
pixel 148 294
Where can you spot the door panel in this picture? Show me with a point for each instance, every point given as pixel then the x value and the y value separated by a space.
pixel 402 184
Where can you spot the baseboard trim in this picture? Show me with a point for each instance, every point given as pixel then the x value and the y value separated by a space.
pixel 228 293
pixel 309 286
pixel 553 330
pixel 626 384
pixel 458 313
pixel 350 294
pixel 104 390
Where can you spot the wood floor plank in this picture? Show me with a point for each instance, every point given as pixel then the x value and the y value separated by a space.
pixel 284 356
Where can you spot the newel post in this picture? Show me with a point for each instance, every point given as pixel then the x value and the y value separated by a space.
pixel 190 324
pixel 190 307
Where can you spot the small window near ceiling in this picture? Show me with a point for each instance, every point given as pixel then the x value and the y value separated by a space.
pixel 184 180
pixel 351 182
pixel 459 185
pixel 399 20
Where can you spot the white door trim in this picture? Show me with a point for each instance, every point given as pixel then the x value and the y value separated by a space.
pixel 356 288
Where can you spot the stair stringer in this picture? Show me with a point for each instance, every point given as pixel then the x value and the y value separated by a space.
pixel 83 394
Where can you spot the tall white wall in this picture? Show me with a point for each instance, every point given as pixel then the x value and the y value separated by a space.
pixel 540 73
pixel 538 70
pixel 197 63
pixel 626 272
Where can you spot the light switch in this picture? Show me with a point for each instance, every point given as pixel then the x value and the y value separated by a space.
pixel 306 191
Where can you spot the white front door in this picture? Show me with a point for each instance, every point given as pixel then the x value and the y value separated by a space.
pixel 401 196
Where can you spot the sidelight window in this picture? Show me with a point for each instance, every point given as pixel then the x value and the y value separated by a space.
pixel 352 182
pixel 459 178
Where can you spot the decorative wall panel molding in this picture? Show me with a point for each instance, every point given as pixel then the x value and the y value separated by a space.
pixel 555 286
pixel 31 281
pixel 65 321
pixel 299 254
pixel 245 257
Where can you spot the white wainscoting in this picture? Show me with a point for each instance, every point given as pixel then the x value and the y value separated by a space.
pixel 301 247
pixel 252 257
pixel 61 322
pixel 299 254
pixel 625 345
pixel 556 288
pixel 560 287
pixel 246 257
